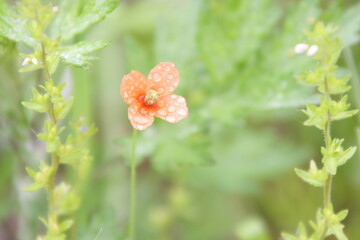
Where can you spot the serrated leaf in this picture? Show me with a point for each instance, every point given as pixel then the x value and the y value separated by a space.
pixel 69 26
pixel 77 55
pixel 222 53
pixel 14 28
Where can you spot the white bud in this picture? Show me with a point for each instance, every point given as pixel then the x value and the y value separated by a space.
pixel 26 62
pixel 55 9
pixel 34 61
pixel 301 48
pixel 312 50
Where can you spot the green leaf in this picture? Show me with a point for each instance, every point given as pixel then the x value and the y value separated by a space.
pixel 183 156
pixel 331 165
pixel 346 155
pixel 345 114
pixel 40 178
pixel 33 187
pixel 317 116
pixel 77 55
pixel 349 25
pixel 65 225
pixel 238 156
pixel 338 109
pixel 315 179
pixel 68 25
pixel 14 28
pixel 35 106
pixel 31 172
pixel 302 230
pixel 287 236
pixel 64 109
pixel 333 84
pixel 334 155
pixel 248 24
pixel 70 155
pixel 342 214
pixel 43 220
pixel 65 199
pixel 337 230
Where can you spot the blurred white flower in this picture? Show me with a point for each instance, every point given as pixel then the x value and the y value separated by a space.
pixel 312 50
pixel 55 8
pixel 26 62
pixel 34 61
pixel 301 48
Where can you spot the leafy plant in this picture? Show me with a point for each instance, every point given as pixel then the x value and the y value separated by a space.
pixel 325 49
pixel 27 24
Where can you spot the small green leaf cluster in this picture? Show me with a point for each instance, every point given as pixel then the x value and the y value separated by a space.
pixel 330 109
pixel 52 95
pixel 323 218
pixel 44 28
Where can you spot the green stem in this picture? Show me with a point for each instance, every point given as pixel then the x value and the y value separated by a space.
pixel 132 220
pixel 327 136
pixel 52 216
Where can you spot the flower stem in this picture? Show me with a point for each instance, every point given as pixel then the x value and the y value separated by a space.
pixel 132 220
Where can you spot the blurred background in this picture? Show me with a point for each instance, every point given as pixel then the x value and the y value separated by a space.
pixel 224 173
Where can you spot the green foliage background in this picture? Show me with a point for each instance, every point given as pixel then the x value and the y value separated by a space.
pixel 226 172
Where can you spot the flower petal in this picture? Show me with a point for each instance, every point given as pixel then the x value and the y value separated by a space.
pixel 139 121
pixel 172 108
pixel 164 78
pixel 132 86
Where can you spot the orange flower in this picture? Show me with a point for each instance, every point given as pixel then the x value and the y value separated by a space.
pixel 149 98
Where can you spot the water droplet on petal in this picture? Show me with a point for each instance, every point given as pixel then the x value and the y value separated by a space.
pixel 171 109
pixel 182 112
pixel 170 119
pixel 181 100
pixel 161 112
pixel 157 77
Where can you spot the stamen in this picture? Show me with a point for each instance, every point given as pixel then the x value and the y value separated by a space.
pixel 151 97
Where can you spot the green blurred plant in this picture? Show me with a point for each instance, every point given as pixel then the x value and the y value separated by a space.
pixel 27 24
pixel 325 49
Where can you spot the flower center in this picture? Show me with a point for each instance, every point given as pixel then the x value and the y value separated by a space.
pixel 151 97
